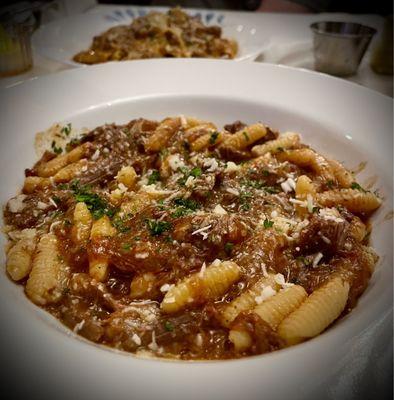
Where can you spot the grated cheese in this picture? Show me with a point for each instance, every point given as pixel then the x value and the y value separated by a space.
pixel 153 345
pixel 136 339
pixel 41 205
pixel 280 280
pixel 166 287
pixel 317 259
pixel 141 255
pixel 96 154
pixel 233 191
pixel 79 326
pixel 232 167
pixel 190 181
pixel 212 164
pixel 202 270
pixel 16 204
pixel 175 162
pixel 266 293
pixel 219 210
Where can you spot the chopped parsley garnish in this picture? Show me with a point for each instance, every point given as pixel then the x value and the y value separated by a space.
pixel 163 153
pixel 246 136
pixel 56 150
pixel 156 228
pixel 213 138
pixel 304 260
pixel 280 149
pixel 66 129
pixel 356 186
pixel 315 209
pixel 265 172
pixel 153 177
pixel 126 246
pixel 330 183
pixel 228 248
pixel 56 199
pixel 137 238
pixel 268 224
pixel 185 206
pixel 169 326
pixel 95 204
pixel 120 225
pixel 256 184
pixel 244 200
pixel 194 172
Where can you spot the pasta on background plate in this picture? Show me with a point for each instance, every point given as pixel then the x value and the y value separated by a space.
pixel 178 239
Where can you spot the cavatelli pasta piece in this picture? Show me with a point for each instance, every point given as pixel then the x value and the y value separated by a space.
pixel 70 171
pixel 342 175
pixel 127 176
pixel 33 183
pixel 317 312
pixel 370 257
pixel 19 258
pixel 98 265
pixel 278 307
pixel 357 229
pixel 49 273
pixel 83 220
pixel 142 285
pixel 309 158
pixel 272 311
pixel 304 186
pixel 208 140
pixel 354 200
pixel 162 135
pixel 201 286
pixel 137 203
pixel 304 189
pixel 51 167
pixel 247 300
pixel 245 137
pixel 285 141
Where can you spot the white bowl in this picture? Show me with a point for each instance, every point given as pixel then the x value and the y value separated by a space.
pixel 340 119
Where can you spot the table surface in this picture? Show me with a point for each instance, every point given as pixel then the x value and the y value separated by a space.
pixel 290 44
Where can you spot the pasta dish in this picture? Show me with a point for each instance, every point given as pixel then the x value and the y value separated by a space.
pixel 156 35
pixel 178 239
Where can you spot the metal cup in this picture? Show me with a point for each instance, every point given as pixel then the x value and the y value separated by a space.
pixel 340 46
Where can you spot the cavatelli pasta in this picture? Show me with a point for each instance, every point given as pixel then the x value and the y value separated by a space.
pixel 246 300
pixel 272 311
pixel 208 140
pixel 309 158
pixel 354 200
pixel 245 137
pixel 98 265
pixel 162 135
pixel 83 220
pixel 51 167
pixel 318 311
pixel 19 258
pixel 127 176
pixel 70 171
pixel 201 286
pixel 342 175
pixel 285 141
pixel 49 273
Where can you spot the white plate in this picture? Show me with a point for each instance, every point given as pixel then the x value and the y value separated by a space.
pixel 60 40
pixel 338 118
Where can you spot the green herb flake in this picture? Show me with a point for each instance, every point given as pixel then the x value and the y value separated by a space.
pixel 66 129
pixel 268 224
pixel 169 326
pixel 153 177
pixel 126 246
pixel 246 136
pixel 137 238
pixel 280 149
pixel 356 186
pixel 156 228
pixel 228 248
pixel 95 204
pixel 315 209
pixel 120 225
pixel 213 138
pixel 56 150
pixel 330 183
